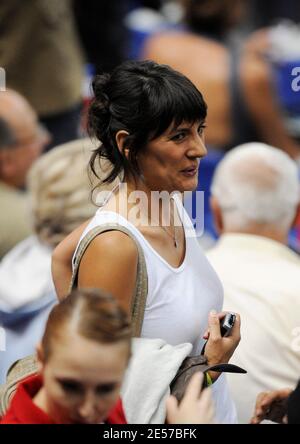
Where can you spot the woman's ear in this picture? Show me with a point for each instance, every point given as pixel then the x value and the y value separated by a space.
pixel 121 137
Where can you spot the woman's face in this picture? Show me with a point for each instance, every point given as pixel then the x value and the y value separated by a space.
pixel 82 379
pixel 171 161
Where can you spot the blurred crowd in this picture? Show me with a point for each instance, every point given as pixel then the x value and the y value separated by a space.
pixel 243 56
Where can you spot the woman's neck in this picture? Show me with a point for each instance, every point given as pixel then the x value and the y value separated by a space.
pixel 156 207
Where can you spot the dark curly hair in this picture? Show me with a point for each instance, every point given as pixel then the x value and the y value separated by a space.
pixel 144 99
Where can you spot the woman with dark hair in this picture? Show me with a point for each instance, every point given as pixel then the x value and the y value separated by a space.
pixel 150 121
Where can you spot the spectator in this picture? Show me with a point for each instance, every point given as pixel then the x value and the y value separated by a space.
pixel 40 53
pixel 255 196
pixel 150 121
pixel 77 384
pixel 82 384
pixel 21 141
pixel 59 202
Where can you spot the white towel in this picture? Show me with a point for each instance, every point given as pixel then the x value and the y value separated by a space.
pixel 145 389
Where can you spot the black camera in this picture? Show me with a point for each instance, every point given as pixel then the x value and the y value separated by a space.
pixel 227 324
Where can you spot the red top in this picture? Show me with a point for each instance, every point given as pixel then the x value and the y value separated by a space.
pixel 23 411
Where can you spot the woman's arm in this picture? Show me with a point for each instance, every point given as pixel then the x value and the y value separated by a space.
pixel 61 266
pixel 110 263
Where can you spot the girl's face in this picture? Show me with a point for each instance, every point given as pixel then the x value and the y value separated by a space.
pixel 82 379
pixel 171 161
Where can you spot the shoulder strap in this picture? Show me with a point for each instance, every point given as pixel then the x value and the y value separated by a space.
pixel 21 369
pixel 139 298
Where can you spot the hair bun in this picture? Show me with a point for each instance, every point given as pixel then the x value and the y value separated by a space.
pixel 99 86
pixel 99 113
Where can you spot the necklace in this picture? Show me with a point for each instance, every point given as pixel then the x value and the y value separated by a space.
pixel 171 235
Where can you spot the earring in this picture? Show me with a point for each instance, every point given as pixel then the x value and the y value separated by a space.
pixel 126 153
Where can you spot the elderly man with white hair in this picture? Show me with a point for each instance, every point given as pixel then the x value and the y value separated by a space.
pixel 60 190
pixel 22 140
pixel 255 199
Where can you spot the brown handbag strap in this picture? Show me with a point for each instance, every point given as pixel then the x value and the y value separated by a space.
pixel 139 298
pixel 19 370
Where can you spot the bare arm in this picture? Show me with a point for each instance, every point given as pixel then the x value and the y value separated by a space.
pixel 110 263
pixel 61 266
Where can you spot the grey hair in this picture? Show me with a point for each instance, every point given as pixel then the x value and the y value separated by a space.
pixel 61 191
pixel 257 183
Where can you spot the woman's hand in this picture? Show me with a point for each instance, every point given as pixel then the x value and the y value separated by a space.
pixel 271 405
pixel 196 407
pixel 219 349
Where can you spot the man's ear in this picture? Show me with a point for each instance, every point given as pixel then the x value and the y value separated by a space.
pixel 217 215
pixel 296 221
pixel 121 137
pixel 7 164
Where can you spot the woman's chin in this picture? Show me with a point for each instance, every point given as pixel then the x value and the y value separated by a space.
pixel 190 185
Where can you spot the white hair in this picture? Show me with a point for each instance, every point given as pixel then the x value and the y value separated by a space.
pixel 257 183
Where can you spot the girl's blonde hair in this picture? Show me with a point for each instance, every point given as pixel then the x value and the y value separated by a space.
pixel 93 314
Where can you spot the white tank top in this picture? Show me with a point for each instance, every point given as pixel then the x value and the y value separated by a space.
pixel 179 299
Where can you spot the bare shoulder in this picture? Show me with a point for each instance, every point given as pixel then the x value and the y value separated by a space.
pixel 160 44
pixel 114 244
pixel 110 263
pixel 174 47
